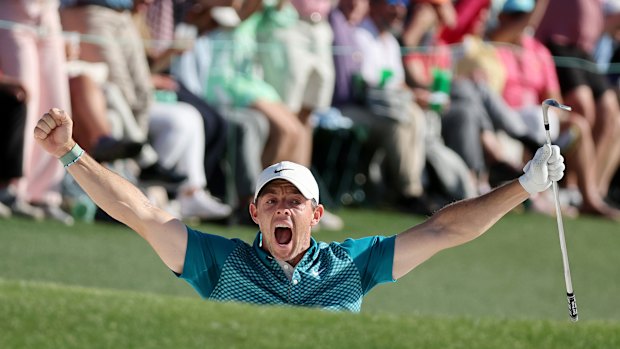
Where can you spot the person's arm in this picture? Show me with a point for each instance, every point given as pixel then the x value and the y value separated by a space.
pixel 465 220
pixel 115 195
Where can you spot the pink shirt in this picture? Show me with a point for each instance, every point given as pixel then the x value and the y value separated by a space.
pixel 530 73
pixel 572 22
pixel 306 8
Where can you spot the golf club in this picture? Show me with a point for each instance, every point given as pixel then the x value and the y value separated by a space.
pixel 572 304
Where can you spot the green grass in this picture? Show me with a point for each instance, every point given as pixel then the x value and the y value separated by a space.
pixel 51 316
pixel 100 285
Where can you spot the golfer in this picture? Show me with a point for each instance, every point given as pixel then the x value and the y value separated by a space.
pixel 285 265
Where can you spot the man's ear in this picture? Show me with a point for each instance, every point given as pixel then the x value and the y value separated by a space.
pixel 318 213
pixel 253 212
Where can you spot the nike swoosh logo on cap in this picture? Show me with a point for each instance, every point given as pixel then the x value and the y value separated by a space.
pixel 282 169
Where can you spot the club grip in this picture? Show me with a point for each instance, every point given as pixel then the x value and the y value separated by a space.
pixel 572 307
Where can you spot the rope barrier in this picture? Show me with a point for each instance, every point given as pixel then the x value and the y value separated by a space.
pixel 457 50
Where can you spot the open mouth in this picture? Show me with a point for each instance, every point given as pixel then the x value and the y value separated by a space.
pixel 283 235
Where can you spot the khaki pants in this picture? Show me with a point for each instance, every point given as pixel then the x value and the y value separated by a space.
pixel 402 141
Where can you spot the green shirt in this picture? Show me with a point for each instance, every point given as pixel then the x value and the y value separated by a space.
pixel 331 276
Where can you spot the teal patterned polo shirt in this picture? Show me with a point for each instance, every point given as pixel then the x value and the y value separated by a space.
pixel 330 276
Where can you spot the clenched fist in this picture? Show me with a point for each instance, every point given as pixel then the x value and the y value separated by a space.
pixel 53 132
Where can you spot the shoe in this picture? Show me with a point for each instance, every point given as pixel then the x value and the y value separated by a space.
pixel 330 221
pixel 204 206
pixel 109 149
pixel 7 195
pixel 56 213
pixel 160 174
pixel 21 208
pixel 5 211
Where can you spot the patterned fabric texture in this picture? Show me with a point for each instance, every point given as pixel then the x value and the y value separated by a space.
pixel 326 277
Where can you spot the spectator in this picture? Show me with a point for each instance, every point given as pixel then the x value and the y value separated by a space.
pixel 363 27
pixel 250 128
pixel 13 101
pixel 224 57
pixel 583 87
pixel 177 133
pixel 156 21
pixel 476 111
pixel 296 58
pixel 90 108
pixel 33 54
pixel 232 81
pixel 107 21
pixel 531 78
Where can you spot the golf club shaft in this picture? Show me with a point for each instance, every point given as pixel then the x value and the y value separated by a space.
pixel 572 304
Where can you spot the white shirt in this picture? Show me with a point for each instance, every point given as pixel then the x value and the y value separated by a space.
pixel 380 51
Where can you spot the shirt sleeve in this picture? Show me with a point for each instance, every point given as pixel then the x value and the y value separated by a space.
pixel 374 258
pixel 204 259
pixel 192 68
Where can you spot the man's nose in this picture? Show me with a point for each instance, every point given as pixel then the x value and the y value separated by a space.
pixel 283 209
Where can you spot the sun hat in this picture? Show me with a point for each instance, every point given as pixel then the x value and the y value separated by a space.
pixel 511 6
pixel 296 174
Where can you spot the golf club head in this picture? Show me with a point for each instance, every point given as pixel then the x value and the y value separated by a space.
pixel 552 103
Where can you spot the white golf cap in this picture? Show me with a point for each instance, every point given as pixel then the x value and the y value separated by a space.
pixel 298 175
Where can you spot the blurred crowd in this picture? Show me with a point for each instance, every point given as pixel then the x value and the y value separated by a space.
pixel 406 103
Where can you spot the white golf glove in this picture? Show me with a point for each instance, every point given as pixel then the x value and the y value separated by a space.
pixel 546 166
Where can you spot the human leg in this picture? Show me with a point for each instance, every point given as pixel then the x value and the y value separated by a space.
pixel 284 133
pixel 215 129
pixel 11 143
pixel 581 158
pixel 178 137
pixel 403 144
pixel 607 132
pixel 89 107
pixel 249 133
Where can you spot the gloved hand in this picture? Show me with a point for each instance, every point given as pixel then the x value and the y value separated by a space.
pixel 546 166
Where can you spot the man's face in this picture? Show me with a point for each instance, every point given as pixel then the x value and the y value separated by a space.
pixel 285 218
pixel 389 15
pixel 354 10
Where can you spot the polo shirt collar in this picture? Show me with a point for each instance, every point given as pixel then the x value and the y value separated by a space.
pixel 267 259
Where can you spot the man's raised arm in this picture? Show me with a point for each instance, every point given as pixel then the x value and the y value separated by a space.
pixel 115 195
pixel 465 220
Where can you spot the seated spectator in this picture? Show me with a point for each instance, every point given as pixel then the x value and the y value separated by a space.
pixel 232 81
pixel 220 68
pixel 13 99
pixel 90 111
pixel 37 62
pixel 156 22
pixel 586 90
pixel 399 129
pixel 109 20
pixel 471 113
pixel 296 58
pixel 176 131
pixel 531 78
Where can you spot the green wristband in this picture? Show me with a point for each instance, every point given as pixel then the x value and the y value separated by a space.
pixel 72 156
